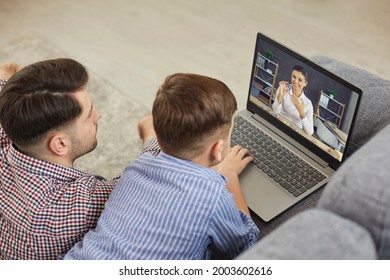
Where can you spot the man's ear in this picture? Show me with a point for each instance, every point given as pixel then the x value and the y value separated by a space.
pixel 216 151
pixel 59 144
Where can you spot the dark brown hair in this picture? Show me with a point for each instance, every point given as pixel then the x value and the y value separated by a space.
pixel 302 71
pixel 40 98
pixel 189 109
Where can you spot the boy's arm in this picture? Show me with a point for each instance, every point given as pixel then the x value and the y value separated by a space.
pixel 232 231
pixel 233 186
pixel 231 167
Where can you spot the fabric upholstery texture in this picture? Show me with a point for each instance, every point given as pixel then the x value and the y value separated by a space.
pixel 361 191
pixel 315 235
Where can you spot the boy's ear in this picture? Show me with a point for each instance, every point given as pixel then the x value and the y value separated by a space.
pixel 216 151
pixel 59 144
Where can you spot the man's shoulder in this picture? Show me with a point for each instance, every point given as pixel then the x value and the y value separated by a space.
pixel 4 141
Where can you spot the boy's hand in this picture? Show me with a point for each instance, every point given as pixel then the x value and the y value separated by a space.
pixel 231 167
pixel 236 160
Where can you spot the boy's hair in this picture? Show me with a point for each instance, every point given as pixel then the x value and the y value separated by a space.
pixel 39 98
pixel 188 110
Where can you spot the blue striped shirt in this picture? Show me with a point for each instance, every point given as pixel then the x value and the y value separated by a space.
pixel 167 208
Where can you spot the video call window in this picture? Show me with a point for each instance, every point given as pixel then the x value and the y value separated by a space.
pixel 329 105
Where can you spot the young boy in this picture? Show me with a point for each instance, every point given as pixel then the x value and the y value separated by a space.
pixel 177 205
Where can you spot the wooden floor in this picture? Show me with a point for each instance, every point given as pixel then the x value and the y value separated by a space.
pixel 136 43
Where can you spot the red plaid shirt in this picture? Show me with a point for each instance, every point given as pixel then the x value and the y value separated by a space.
pixel 45 208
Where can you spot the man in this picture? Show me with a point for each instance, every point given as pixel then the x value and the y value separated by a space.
pixel 47 121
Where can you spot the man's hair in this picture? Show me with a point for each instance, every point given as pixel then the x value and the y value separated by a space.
pixel 188 110
pixel 39 98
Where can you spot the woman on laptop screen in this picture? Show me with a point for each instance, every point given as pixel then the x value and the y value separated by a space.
pixel 292 103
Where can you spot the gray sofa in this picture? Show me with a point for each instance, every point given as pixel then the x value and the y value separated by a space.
pixel 352 217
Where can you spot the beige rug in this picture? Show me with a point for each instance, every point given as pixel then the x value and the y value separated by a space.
pixel 117 129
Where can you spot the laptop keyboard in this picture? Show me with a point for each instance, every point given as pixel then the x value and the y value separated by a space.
pixel 291 172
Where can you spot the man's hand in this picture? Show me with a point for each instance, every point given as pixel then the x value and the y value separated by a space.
pixel 8 69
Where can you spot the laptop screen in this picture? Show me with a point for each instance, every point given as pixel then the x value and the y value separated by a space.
pixel 304 100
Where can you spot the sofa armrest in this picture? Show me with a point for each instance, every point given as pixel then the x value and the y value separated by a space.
pixel 360 191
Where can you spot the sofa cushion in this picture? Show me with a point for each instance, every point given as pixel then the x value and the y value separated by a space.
pixel 373 113
pixel 360 190
pixel 314 234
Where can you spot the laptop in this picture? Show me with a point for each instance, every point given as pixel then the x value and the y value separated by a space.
pixel 296 152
